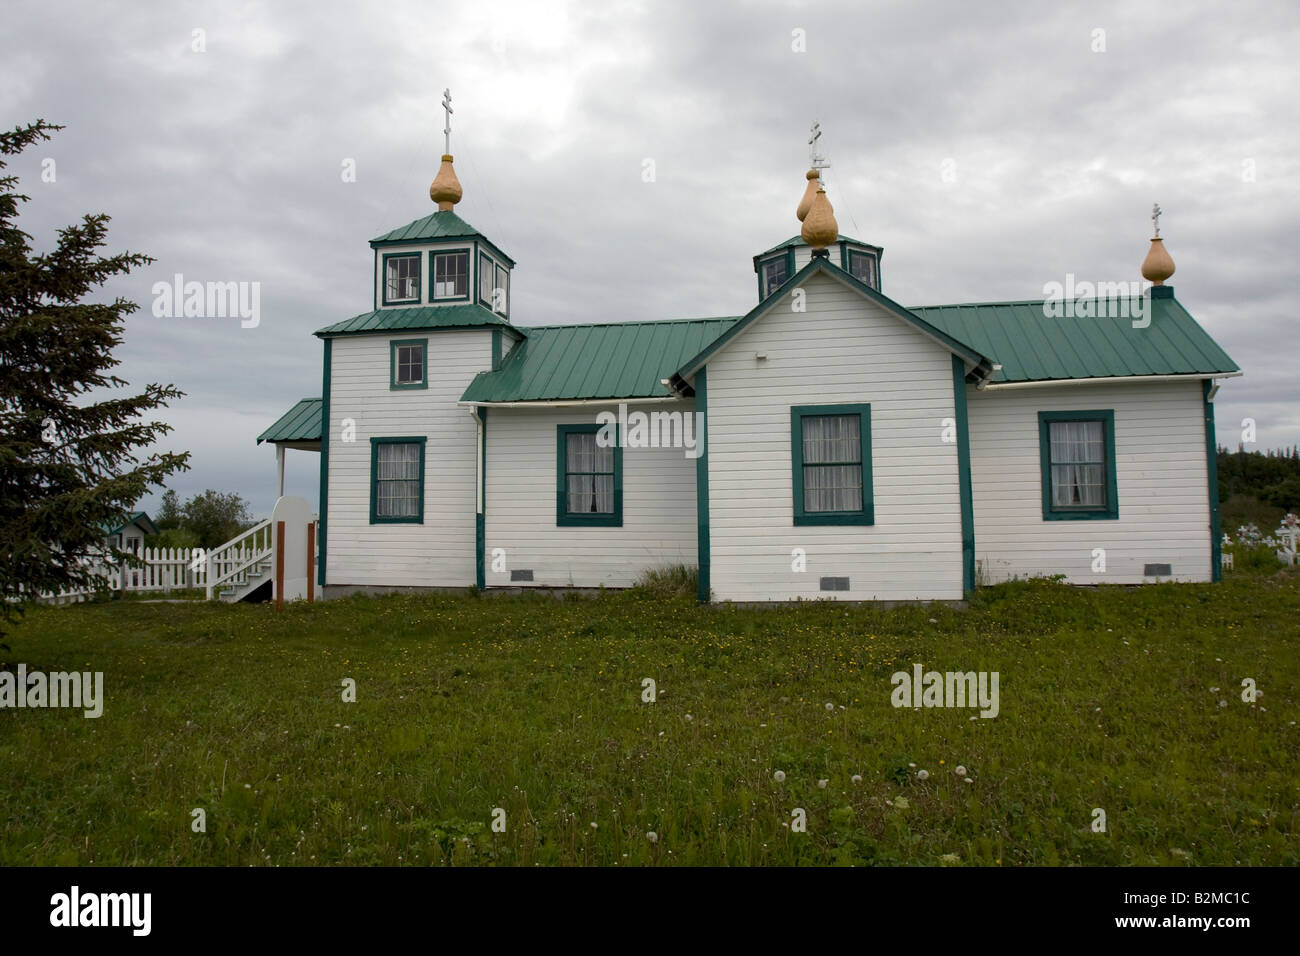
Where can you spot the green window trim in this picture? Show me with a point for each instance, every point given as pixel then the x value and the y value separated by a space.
pixel 866 515
pixel 383 278
pixel 1052 512
pixel 393 345
pixel 563 517
pixel 433 275
pixel 375 517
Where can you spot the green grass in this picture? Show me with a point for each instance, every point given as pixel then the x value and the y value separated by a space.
pixel 534 705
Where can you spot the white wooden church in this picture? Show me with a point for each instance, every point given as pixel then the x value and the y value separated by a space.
pixel 830 443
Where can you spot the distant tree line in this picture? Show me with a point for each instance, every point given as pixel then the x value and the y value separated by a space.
pixel 204 521
pixel 1271 477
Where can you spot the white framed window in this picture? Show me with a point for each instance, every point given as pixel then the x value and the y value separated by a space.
pixel 501 291
pixel 486 278
pixel 451 275
pixel 401 278
pixel 774 273
pixel 862 266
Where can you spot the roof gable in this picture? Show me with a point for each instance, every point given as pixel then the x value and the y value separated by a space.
pixel 822 264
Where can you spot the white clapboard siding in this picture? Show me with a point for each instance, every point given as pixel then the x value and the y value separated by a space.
pixel 441 551
pixel 843 349
pixel 659 521
pixel 1160 471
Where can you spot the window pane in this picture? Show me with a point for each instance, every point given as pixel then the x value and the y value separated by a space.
pixel 486 276
pixel 1078 456
pixel 774 274
pixel 500 306
pixel 397 476
pixel 410 364
pixel 450 275
pixel 832 488
pixel 589 475
pixel 403 277
pixel 862 267
pixel 831 439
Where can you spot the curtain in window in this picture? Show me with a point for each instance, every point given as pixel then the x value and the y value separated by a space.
pixel 589 470
pixel 832 463
pixel 1078 464
pixel 398 478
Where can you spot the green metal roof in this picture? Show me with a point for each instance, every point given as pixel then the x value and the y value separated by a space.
pixel 300 423
pixel 443 224
pixel 462 316
pixel 619 360
pixel 798 241
pixel 1033 347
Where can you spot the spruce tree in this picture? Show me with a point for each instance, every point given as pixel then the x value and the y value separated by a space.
pixel 72 461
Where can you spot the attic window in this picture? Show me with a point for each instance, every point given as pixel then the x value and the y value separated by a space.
pixel 401 279
pixel 862 266
pixel 450 275
pixel 773 273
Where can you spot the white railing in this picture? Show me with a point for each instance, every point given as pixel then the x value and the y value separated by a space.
pixel 232 563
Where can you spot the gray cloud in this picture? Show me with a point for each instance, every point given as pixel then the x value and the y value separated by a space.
pixel 225 165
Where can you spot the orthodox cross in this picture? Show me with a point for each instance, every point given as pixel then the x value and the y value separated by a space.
pixel 815 158
pixel 446 132
pixel 1155 218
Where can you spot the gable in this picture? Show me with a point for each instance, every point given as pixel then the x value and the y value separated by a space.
pixel 781 299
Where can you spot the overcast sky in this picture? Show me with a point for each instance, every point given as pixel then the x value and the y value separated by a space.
pixel 989 148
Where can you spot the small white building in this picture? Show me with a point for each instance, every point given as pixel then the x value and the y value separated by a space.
pixel 831 443
pixel 130 534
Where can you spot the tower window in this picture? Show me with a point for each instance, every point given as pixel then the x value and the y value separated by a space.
pixel 774 272
pixel 486 279
pixel 862 266
pixel 408 363
pixel 500 292
pixel 401 279
pixel 451 275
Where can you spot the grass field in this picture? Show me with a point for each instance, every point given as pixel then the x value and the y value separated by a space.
pixel 1127 700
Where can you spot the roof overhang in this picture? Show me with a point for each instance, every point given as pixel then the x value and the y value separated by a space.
pixel 576 402
pixel 1194 376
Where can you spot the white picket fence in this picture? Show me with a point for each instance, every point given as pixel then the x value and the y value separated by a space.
pixel 160 570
